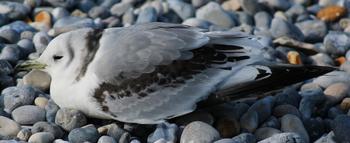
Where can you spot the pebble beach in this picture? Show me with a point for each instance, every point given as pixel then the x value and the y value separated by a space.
pixel 302 32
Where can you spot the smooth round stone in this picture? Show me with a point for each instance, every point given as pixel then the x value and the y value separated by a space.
pixel 86 5
pixel 125 138
pixel 27 35
pixel 199 132
pixel 345 66
pixel 129 17
pixel 322 59
pixel 28 114
pixel 282 110
pixel 48 127
pixel 244 138
pixel 225 141
pixel 6 81
pixel 262 20
pixel 109 3
pixel 249 121
pixel 244 18
pixel 24 134
pixel 199 3
pixel 106 139
pixel 182 9
pixel 41 101
pixel 313 30
pixel 119 9
pixel 337 43
pixel 146 15
pixel 164 131
pixel 8 127
pixel 291 123
pixel 311 98
pixel 228 127
pixel 265 132
pixel 277 4
pixel 341 128
pixel 60 141
pixel 5 67
pixel 11 53
pixel 284 138
pixel 26 46
pixel 17 96
pixel 42 137
pixel 280 28
pixel 296 11
pixel 195 22
pixel 195 116
pixel 333 112
pixel 38 79
pixel 115 131
pixel 289 96
pixel 19 26
pixel 9 36
pixel 70 23
pixel 51 110
pixel 85 134
pixel 271 122
pixel 336 92
pixel 3 19
pixel 315 127
pixel 332 78
pixel 250 6
pixel 59 12
pixel 99 12
pixel 41 40
pixel 70 119
pixel 213 13
pixel 13 10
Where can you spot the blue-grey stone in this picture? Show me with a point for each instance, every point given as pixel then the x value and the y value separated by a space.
pixel 214 13
pixel 63 3
pixel 281 27
pixel 18 26
pixel 199 132
pixel 244 18
pixel 107 3
pixel 311 98
pixel 13 10
pixel 289 96
pixel 332 77
pixel 284 138
pixel 5 67
pixel 250 6
pixel 146 15
pixel 41 137
pixel 27 35
pixel 70 119
pixel 48 127
pixel 337 43
pixel 291 123
pixel 265 132
pixel 41 40
pixel 295 11
pixel 129 17
pixel 119 9
pixel 115 131
pixel 182 9
pixel 315 127
pixel 70 23
pixel 313 30
pixel 199 3
pixel 99 12
pixel 28 114
pixel 277 4
pixel 106 139
pixel 17 96
pixel 195 22
pixel 9 36
pixel 271 122
pixel 165 131
pixel 327 138
pixel 86 5
pixel 26 46
pixel 84 134
pixel 244 138
pixel 225 141
pixel 6 81
pixel 59 12
pixel 262 20
pixel 11 53
pixel 3 19
pixel 51 110
pixel 341 128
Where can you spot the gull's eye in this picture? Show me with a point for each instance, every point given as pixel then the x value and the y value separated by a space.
pixel 56 58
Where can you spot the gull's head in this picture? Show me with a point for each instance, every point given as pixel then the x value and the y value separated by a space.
pixel 66 55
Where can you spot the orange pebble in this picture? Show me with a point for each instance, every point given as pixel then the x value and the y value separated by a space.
pixel 331 13
pixel 43 17
pixel 340 60
pixel 294 58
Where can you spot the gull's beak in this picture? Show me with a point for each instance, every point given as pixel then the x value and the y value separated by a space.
pixel 29 65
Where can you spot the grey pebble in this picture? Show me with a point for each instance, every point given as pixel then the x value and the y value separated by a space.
pixel 244 18
pixel 99 12
pixel 27 35
pixel 295 12
pixel 9 36
pixel 199 132
pixel 13 10
pixel 26 46
pixel 41 40
pixel 59 12
pixel 28 114
pixel 289 96
pixel 115 131
pixel 291 123
pixel 272 122
pixel 70 23
pixel 42 137
pixel 87 133
pixel 70 119
pixel 146 15
pixel 199 3
pixel 281 27
pixel 282 110
pixel 225 141
pixel 249 121
pixel 313 30
pixel 284 138
pixel 337 43
pixel 24 134
pixel 250 6
pixel 214 13
pixel 66 3
pixel 195 22
pixel 327 138
pixel 315 127
pixel 11 53
pixel 8 127
pixel 5 67
pixel 165 131
pixel 18 26
pixel 341 128
pixel 311 98
pixel 107 3
pixel 51 110
pixel 265 132
pixel 48 127
pixel 38 79
pixel 277 4
pixel 119 9
pixel 6 81
pixel 335 111
pixel 17 96
pixel 3 19
pixel 244 138
pixel 322 59
pixel 262 20
pixel 86 5
pixel 331 78
pixel 129 17
pixel 182 9
pixel 106 139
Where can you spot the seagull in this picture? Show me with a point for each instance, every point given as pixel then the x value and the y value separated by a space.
pixel 148 73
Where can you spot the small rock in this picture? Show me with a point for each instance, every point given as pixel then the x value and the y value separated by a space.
pixel 277 4
pixel 331 13
pixel 70 23
pixel 18 26
pixel 182 9
pixel 11 53
pixel 250 6
pixel 48 127
pixel 282 110
pixel 249 121
pixel 271 122
pixel 333 112
pixel 42 137
pixel 345 104
pixel 38 79
pixel 41 40
pixel 9 36
pixel 315 127
pixel 265 132
pixel 199 3
pixel 8 127
pixel 6 81
pixel 41 101
pixel 17 96
pixel 280 28
pixel 99 12
pixel 128 17
pixel 336 92
pixel 328 138
pixel 288 96
pixel 26 46
pixel 199 132
pixel 231 5
pixel 284 138
pixel 85 134
pixel 51 110
pixel 194 22
pixel 44 17
pixel 322 59
pixel 291 123
pixel 313 30
pixel 294 58
pixel 125 138
pixel 5 67
pixel 262 20
pixel 332 78
pixel 108 3
pixel 164 131
pixel 106 139
pixel 213 13
pixel 263 107
pixel 27 35
pixel 244 18
pixel 28 114
pixel 228 127
pixel 146 15
pixel 337 43
pixel 225 141
pixel 24 134
pixel 115 131
pixel 119 9
pixel 13 10
pixel 70 119
pixel 66 3
pixel 59 12
pixel 244 138
pixel 341 128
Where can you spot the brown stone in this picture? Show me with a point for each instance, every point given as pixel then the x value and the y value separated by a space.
pixel 345 104
pixel 331 13
pixel 294 58
pixel 228 127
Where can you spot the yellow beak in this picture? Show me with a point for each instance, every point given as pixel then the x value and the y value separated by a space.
pixel 29 65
